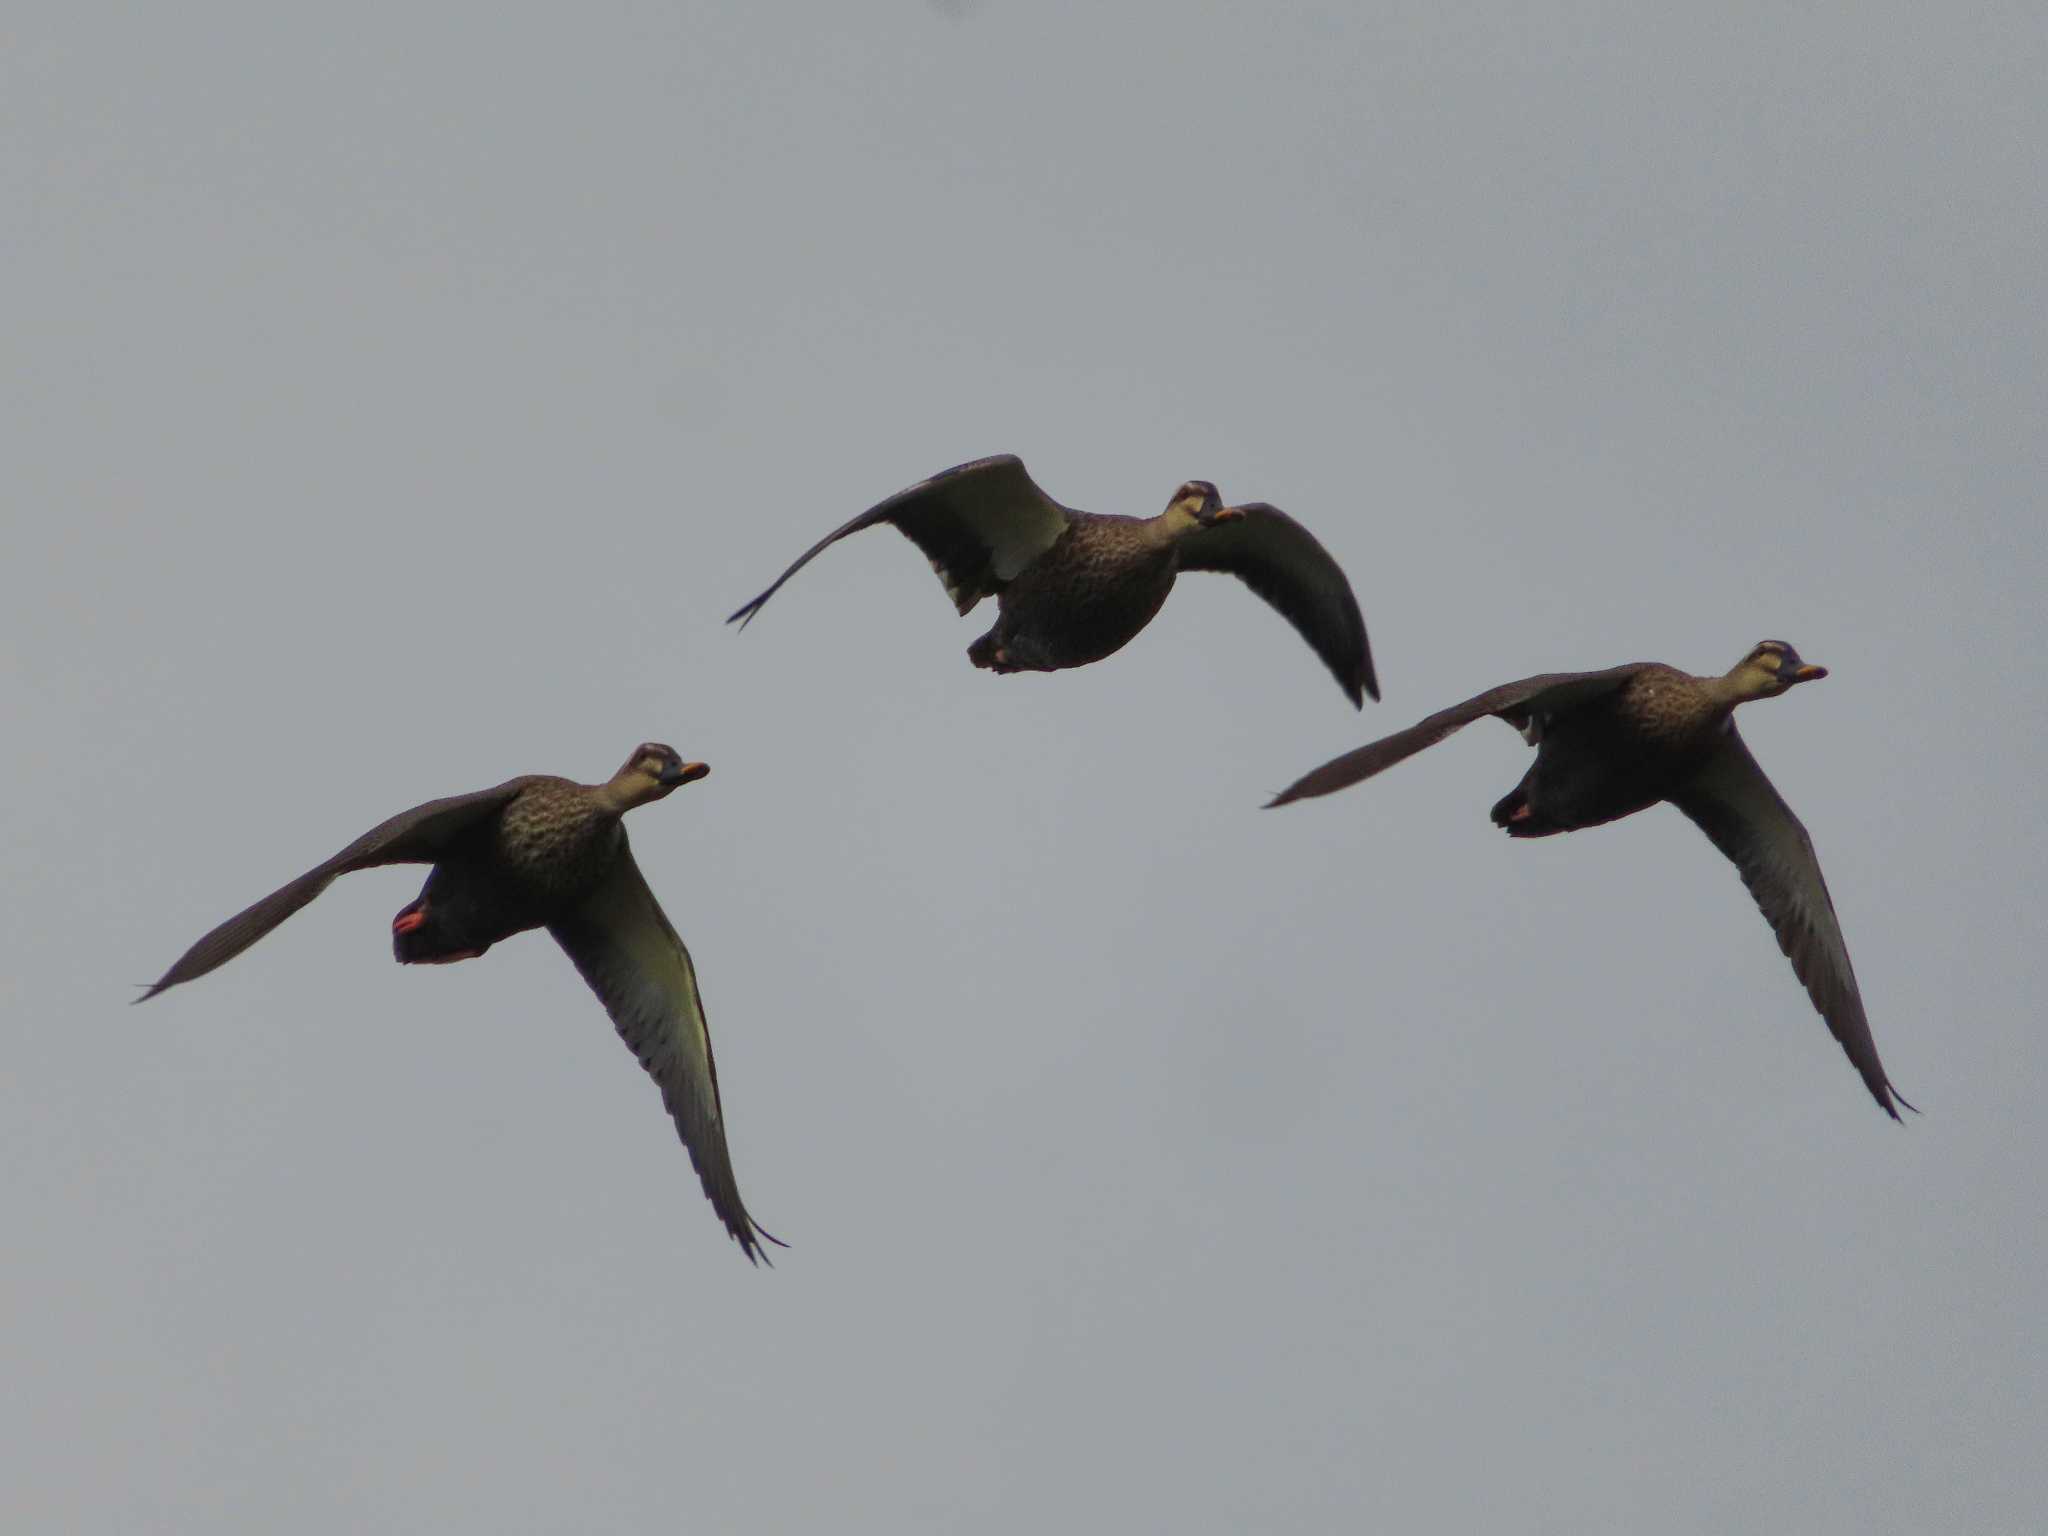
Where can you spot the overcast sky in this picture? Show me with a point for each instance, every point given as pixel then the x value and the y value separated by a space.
pixel 398 399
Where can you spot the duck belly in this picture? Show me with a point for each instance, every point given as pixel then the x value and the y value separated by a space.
pixel 1072 607
pixel 1588 771
pixel 460 912
pixel 541 856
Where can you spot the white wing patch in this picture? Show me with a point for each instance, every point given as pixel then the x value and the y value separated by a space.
pixel 953 589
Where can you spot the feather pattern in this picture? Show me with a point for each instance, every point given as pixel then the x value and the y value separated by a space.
pixel 418 836
pixel 1517 703
pixel 626 949
pixel 1287 566
pixel 978 523
pixel 1736 805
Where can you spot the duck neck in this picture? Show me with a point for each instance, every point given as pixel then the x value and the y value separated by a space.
pixel 617 796
pixel 1172 525
pixel 1734 687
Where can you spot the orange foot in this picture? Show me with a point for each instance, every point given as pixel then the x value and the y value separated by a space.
pixel 408 920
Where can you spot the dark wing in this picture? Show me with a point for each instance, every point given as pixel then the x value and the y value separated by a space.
pixel 979 524
pixel 640 971
pixel 1286 565
pixel 1732 801
pixel 417 836
pixel 1547 693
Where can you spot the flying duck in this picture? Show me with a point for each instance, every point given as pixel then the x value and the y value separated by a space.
pixel 1073 587
pixel 544 852
pixel 1614 742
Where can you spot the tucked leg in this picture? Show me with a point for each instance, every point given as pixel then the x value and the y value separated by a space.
pixel 417 939
pixel 985 652
pixel 1514 814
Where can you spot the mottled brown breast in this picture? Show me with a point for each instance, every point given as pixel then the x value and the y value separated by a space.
pixel 556 839
pixel 1669 711
pixel 1091 592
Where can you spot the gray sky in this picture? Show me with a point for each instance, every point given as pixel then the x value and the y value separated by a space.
pixel 397 400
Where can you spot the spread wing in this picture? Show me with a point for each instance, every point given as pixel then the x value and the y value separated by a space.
pixel 1548 693
pixel 417 836
pixel 1732 801
pixel 1286 565
pixel 979 524
pixel 640 971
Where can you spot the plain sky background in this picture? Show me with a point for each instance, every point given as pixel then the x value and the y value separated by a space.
pixel 397 398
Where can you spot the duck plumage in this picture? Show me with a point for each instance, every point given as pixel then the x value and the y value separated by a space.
pixel 1616 741
pixel 1074 587
pixel 544 852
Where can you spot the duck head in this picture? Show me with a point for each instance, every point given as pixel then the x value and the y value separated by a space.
pixel 1771 667
pixel 1196 505
pixel 652 771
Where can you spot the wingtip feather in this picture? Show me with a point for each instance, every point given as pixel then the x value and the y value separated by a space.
pixel 750 1243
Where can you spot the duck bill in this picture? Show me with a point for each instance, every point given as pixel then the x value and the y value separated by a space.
pixel 685 773
pixel 1809 672
pixel 1227 515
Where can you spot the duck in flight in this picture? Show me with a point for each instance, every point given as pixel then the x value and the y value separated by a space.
pixel 544 852
pixel 1073 587
pixel 1614 742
